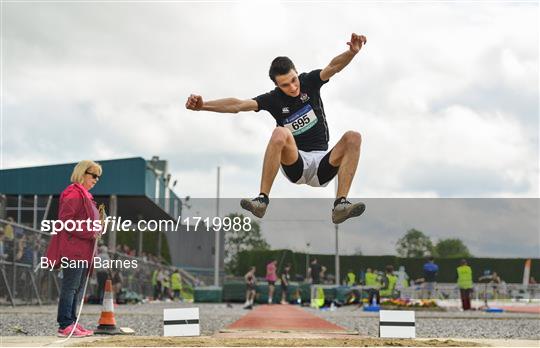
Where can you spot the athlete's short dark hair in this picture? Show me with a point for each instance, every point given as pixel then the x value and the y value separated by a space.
pixel 280 66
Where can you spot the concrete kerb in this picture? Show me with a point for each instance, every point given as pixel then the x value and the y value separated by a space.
pixel 45 341
pixel 48 341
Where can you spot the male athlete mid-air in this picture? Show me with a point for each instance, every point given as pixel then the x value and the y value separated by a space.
pixel 299 143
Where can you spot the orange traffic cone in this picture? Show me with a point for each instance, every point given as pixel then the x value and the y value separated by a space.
pixel 107 323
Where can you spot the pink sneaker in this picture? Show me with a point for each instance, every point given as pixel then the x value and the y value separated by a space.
pixel 85 331
pixel 66 331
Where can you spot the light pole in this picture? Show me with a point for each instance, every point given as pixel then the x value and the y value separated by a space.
pixel 307 260
pixel 217 241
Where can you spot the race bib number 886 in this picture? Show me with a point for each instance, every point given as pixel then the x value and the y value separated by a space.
pixel 301 121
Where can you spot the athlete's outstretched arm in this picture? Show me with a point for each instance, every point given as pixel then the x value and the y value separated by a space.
pixel 226 105
pixel 338 63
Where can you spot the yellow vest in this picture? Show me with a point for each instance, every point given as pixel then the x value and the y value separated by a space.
pixel 464 277
pixel 392 280
pixel 371 279
pixel 351 279
pixel 154 278
pixel 318 301
pixel 8 232
pixel 176 281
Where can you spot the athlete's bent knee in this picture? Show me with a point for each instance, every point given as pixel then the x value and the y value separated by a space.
pixel 279 136
pixel 352 139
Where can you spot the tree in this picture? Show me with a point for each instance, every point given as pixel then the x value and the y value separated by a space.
pixel 452 247
pixel 414 244
pixel 242 239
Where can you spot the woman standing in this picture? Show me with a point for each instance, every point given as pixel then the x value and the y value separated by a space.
pixel 271 278
pixel 76 204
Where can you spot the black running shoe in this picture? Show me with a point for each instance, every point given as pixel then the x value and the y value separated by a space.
pixel 257 205
pixel 345 209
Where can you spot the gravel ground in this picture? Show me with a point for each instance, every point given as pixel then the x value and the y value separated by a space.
pixel 146 320
pixel 444 324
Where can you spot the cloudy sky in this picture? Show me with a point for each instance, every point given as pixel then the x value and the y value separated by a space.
pixel 445 94
pixel 488 227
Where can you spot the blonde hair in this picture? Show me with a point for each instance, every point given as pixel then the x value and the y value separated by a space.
pixel 80 169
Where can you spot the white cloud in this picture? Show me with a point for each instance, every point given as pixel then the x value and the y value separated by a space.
pixel 445 96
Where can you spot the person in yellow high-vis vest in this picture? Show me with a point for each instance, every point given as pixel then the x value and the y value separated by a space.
pixel 167 285
pixel 465 284
pixel 390 282
pixel 351 278
pixel 372 284
pixel 176 285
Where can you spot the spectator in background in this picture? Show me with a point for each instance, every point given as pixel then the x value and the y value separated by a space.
pixel 496 283
pixel 271 278
pixel 430 277
pixel 285 278
pixel 353 295
pixel 18 231
pixel 389 282
pixel 167 285
pixel 465 284
pixel 251 287
pixel 9 240
pixel 3 255
pixel 75 204
pixel 315 271
pixel 351 278
pixel 160 283
pixel 373 285
pixel 8 229
pixel 28 250
pixel 176 285
pixel 403 279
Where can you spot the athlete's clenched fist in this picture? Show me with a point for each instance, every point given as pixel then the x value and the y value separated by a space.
pixel 194 102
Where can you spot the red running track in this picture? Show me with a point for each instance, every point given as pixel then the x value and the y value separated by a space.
pixel 521 309
pixel 283 317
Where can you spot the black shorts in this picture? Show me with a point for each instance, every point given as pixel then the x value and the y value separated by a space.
pixel 250 286
pixel 271 282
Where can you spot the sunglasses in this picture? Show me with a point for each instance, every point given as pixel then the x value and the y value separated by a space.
pixel 95 176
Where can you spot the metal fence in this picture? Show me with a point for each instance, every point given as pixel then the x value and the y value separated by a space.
pixel 24 281
pixel 490 291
